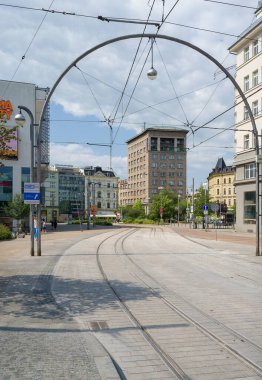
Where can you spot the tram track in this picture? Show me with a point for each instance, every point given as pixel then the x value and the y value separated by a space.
pixel 169 361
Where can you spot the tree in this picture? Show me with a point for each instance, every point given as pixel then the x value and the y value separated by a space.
pixel 16 209
pixel 201 199
pixel 7 135
pixel 165 200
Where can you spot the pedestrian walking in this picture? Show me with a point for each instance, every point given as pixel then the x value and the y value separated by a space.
pixel 44 226
pixel 55 224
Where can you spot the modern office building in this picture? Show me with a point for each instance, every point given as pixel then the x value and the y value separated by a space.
pixel 156 161
pixel 101 187
pixel 248 51
pixel 221 187
pixel 71 191
pixel 50 194
pixel 16 169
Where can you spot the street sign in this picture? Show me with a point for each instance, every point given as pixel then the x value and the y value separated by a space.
pixel 215 207
pixel 205 212
pixel 32 193
pixel 205 207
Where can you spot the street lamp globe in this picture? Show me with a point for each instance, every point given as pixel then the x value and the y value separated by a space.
pixel 20 119
pixel 152 73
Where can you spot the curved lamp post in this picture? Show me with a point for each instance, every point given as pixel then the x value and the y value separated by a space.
pixel 191 46
pixel 20 120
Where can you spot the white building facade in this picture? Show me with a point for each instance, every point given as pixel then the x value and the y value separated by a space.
pixel 248 50
pixel 16 169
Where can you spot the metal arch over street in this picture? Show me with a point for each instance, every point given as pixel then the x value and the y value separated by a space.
pixel 181 42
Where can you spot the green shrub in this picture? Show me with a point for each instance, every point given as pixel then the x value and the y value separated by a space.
pixel 5 233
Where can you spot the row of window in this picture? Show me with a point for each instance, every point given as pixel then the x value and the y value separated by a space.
pixel 251 50
pixel 164 165
pixel 249 83
pixel 225 191
pixel 155 156
pixel 224 181
pixel 165 174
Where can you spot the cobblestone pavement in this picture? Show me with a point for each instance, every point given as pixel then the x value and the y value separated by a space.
pixel 199 298
pixel 38 339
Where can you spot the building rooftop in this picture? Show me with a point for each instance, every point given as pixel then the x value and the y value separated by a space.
pixel 157 129
pixel 248 30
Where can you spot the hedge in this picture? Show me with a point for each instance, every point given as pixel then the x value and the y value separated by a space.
pixel 5 232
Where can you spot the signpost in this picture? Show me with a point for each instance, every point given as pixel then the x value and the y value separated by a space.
pixel 32 193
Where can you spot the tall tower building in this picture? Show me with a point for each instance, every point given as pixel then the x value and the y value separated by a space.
pixel 156 160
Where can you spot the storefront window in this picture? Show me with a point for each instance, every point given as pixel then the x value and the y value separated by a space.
pixel 250 207
pixel 6 185
pixel 25 177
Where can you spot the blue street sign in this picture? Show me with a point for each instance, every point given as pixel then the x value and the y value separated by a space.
pixel 205 207
pixel 32 193
pixel 32 198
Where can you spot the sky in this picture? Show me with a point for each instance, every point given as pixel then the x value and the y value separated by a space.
pixel 108 90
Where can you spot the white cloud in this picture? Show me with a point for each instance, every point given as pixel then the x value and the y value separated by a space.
pixel 63 38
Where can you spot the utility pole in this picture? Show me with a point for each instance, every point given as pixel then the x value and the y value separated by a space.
pixel 88 205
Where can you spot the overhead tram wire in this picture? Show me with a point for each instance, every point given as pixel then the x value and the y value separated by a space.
pixel 26 51
pixel 124 20
pixel 129 74
pixel 93 94
pixel 142 102
pixel 234 5
pixel 177 1
pixel 228 109
pixel 172 85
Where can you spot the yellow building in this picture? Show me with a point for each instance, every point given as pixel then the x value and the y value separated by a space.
pixel 221 184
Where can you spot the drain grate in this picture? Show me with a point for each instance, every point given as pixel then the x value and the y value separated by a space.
pixel 98 325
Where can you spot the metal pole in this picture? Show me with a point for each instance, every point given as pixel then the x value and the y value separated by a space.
pixel 32 141
pixel 178 197
pixel 38 151
pixel 88 205
pixel 191 46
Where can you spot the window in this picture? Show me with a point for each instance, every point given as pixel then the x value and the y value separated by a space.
pixel 246 114
pixel 180 166
pixel 99 194
pixel 108 184
pixel 25 178
pixel 171 157
pixel 250 171
pixel 225 192
pixel 162 157
pixel 255 47
pixel 171 183
pixel 229 180
pixel 108 204
pixel 172 166
pixel 163 165
pixel 246 142
pixel 154 165
pixel 255 108
pixel 255 78
pixel 218 181
pixel 180 145
pixel 217 191
pixel 246 54
pixel 154 143
pixel 246 83
pixel 108 195
pixel 229 191
pixel 249 207
pixel 166 144
pixel 6 185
